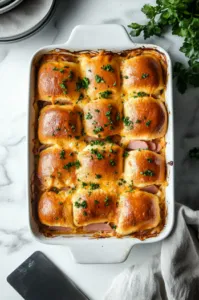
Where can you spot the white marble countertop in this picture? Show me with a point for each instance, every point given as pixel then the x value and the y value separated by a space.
pixel 16 242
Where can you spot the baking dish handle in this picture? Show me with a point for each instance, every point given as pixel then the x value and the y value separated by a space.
pixel 101 251
pixel 99 37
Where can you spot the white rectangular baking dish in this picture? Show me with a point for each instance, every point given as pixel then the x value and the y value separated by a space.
pixel 84 249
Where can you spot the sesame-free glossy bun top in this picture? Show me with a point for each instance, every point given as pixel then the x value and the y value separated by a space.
pixel 137 211
pixel 145 119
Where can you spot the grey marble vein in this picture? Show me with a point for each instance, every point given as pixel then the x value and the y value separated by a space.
pixel 5 179
pixel 14 240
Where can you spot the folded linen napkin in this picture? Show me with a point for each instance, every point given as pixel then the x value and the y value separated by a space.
pixel 171 275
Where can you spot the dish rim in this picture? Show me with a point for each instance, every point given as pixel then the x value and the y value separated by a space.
pixel 74 45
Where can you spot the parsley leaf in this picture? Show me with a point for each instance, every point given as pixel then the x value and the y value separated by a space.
pixel 99 79
pixel 62 154
pixel 108 68
pixel 89 116
pixel 105 94
pixel 82 83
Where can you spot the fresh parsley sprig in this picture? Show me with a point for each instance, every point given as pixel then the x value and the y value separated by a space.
pixel 183 18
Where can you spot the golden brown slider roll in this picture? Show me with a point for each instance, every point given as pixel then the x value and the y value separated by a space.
pixel 144 118
pixel 94 207
pixel 102 72
pixel 57 123
pixel 55 209
pixel 57 80
pixel 100 163
pixel 57 167
pixel 102 118
pixel 137 211
pixel 142 74
pixel 144 168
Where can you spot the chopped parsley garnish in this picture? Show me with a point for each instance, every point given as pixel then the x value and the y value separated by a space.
pixel 138 121
pixel 94 186
pixel 118 116
pixel 82 83
pixel 107 201
pixel 55 69
pixel 97 153
pixel 80 114
pixel 81 96
pixel 125 154
pixel 97 142
pixel 121 181
pixel 127 122
pixel 77 164
pixel 98 176
pixel 71 74
pixel 97 110
pixel 147 173
pixel 148 123
pixel 72 164
pixel 85 83
pixel 109 139
pixel 99 79
pixel 84 184
pixel 85 213
pixel 61 203
pixel 108 113
pixel 142 94
pixel 113 226
pixel 82 204
pixel 130 188
pixel 139 94
pixel 108 68
pixel 63 86
pixel 72 190
pixel 105 94
pixel 62 154
pixel 150 160
pixel 61 70
pixel 73 127
pixel 98 129
pixel 126 77
pixel 144 75
pixel 89 116
pixel 96 202
pixel 112 162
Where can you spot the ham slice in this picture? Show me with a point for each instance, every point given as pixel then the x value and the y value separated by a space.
pixel 60 228
pixel 135 145
pixel 151 145
pixel 151 189
pixel 97 227
pixel 159 147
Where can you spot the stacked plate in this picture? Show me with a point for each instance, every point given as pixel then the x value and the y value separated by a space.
pixel 21 18
pixel 6 5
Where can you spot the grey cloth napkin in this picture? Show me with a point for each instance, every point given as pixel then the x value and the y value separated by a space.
pixel 171 275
